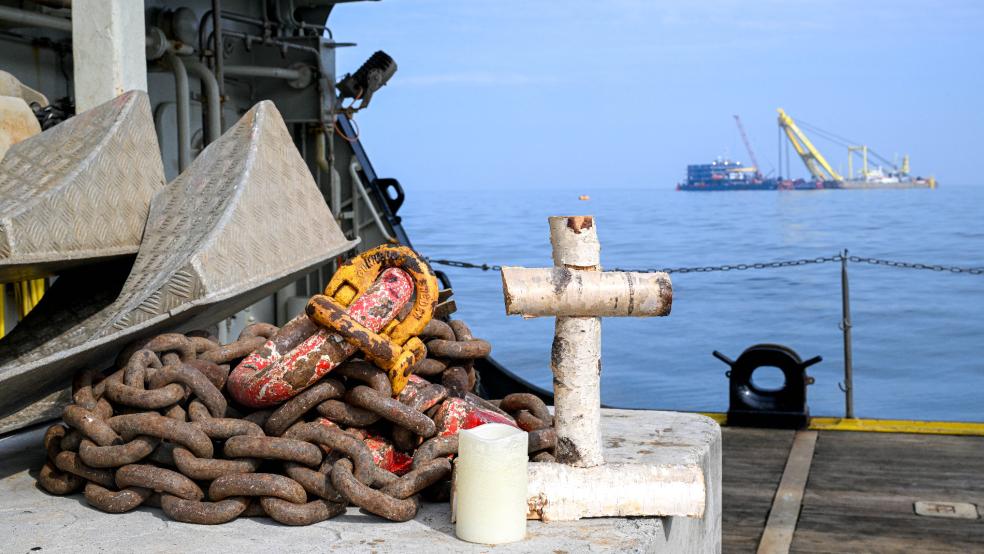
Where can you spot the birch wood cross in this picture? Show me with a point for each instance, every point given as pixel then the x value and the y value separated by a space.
pixel 578 293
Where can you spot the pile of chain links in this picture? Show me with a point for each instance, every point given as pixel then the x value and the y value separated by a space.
pixel 160 431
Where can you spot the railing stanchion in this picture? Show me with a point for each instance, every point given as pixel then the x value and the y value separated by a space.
pixel 845 326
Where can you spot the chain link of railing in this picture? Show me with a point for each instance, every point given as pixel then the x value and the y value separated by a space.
pixel 749 266
pixel 910 265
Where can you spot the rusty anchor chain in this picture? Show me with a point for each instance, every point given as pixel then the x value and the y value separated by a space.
pixel 175 426
pixel 164 428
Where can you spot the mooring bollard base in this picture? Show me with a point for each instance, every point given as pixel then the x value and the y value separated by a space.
pixel 631 436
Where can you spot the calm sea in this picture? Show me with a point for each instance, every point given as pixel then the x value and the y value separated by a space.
pixel 918 335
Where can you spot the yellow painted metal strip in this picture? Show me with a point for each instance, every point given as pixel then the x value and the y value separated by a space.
pixel 972 429
pixel 722 419
pixel 897 426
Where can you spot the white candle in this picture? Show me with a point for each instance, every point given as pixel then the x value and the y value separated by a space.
pixel 490 479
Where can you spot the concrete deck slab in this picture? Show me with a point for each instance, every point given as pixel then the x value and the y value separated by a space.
pixel 32 519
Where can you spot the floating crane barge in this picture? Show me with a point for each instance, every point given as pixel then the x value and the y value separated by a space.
pixel 731 175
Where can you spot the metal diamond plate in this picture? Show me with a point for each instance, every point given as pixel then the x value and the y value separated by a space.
pixel 244 220
pixel 80 191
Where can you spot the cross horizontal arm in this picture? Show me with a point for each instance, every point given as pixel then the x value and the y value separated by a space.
pixel 567 292
pixel 560 492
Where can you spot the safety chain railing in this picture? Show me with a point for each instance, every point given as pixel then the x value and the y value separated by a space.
pixel 843 258
pixel 748 266
pixel 464 265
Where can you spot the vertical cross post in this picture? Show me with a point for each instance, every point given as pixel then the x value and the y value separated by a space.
pixel 578 293
pixel 575 356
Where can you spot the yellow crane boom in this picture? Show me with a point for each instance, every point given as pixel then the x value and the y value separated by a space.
pixel 815 163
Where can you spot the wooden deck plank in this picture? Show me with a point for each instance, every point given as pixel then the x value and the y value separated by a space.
pixel 778 534
pixel 863 485
pixel 753 462
pixel 860 492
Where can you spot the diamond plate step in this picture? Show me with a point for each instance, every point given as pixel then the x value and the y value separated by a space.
pixel 79 192
pixel 244 220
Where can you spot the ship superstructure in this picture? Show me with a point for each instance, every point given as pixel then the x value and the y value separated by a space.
pixel 725 174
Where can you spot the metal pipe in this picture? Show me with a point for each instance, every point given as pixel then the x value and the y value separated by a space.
pixel 264 24
pixel 217 49
pixel 354 169
pixel 334 186
pixel 159 121
pixel 267 41
pixel 260 71
pixel 213 103
pixel 845 326
pixel 182 97
pixel 58 4
pixel 34 19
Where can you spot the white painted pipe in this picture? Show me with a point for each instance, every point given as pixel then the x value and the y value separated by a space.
pixel 354 169
pixel 259 71
pixel 213 102
pixel 334 180
pixel 183 99
pixel 34 19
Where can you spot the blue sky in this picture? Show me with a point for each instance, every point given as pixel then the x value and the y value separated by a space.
pixel 576 93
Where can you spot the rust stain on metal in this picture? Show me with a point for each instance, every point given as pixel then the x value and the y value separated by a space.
pixel 308 513
pixel 531 403
pixel 115 502
pixel 392 410
pixel 369 499
pixel 273 448
pixel 542 439
pixel 203 513
pixel 579 223
pixel 326 467
pixel 158 479
pixel 535 506
pixel 156 425
pixel 257 484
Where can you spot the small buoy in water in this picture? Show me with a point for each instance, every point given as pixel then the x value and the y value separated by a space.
pixel 584 197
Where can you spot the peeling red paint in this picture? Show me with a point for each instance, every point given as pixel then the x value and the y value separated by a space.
pixel 268 376
pixel 456 414
pixel 386 456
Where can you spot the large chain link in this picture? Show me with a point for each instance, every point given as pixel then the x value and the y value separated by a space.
pixel 161 431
